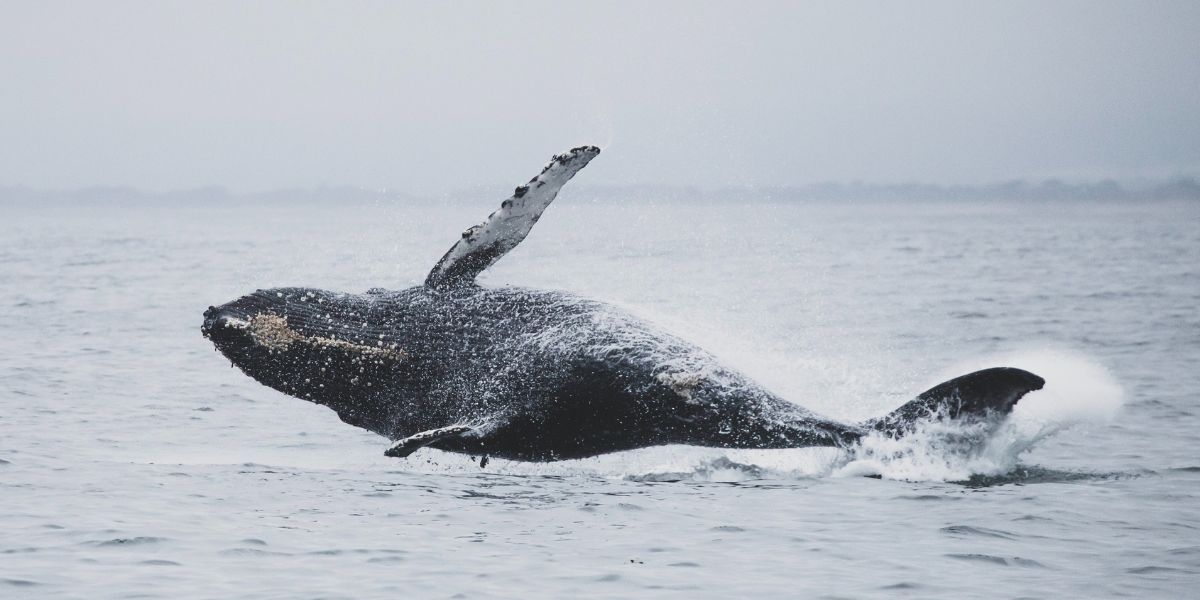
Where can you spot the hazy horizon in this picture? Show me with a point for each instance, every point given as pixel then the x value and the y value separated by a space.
pixel 430 98
pixel 1185 189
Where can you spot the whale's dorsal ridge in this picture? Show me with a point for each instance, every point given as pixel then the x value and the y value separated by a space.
pixel 483 244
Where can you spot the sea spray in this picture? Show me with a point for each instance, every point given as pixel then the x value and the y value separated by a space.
pixel 1077 391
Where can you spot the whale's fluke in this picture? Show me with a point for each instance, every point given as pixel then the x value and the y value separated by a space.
pixel 482 245
pixel 976 395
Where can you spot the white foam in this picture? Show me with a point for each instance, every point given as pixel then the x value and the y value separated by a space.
pixel 659 463
pixel 1077 391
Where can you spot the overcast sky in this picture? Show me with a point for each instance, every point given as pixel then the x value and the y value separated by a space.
pixel 436 96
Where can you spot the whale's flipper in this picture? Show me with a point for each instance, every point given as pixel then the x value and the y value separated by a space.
pixel 978 395
pixel 415 442
pixel 484 244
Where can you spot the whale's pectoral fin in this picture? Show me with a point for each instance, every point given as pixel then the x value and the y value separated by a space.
pixel 979 395
pixel 412 443
pixel 484 244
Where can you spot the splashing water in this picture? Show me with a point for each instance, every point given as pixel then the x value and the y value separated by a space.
pixel 1077 392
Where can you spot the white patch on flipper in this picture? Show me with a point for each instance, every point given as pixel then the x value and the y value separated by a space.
pixel 482 245
pixel 412 443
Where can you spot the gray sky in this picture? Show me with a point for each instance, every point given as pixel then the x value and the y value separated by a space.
pixel 439 96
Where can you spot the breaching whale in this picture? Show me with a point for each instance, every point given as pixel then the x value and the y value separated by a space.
pixel 531 374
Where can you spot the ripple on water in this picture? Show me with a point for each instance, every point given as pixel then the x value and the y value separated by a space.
pixel 251 552
pixel 1037 518
pixel 903 585
pixel 967 531
pixel 1031 475
pixel 727 529
pixel 1155 569
pixel 928 497
pixel 133 541
pixel 1012 561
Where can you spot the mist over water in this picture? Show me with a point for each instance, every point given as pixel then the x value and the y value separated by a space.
pixel 136 461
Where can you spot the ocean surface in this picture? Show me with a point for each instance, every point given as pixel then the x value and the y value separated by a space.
pixel 135 463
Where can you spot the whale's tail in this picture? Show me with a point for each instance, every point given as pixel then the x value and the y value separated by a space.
pixel 983 395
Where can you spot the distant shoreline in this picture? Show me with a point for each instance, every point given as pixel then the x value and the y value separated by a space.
pixel 1051 190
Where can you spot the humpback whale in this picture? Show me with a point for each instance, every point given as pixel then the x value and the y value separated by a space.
pixel 535 375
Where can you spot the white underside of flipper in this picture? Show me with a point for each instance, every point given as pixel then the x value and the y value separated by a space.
pixel 482 245
pixel 412 443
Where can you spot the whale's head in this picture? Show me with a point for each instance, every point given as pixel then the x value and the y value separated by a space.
pixel 322 346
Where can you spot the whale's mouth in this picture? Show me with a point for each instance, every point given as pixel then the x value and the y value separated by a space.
pixel 220 322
